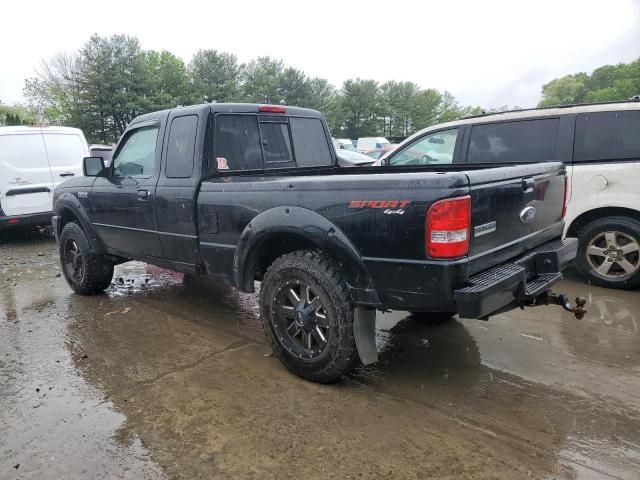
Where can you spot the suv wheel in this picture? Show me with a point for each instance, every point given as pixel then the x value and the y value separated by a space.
pixel 308 317
pixel 609 253
pixel 85 272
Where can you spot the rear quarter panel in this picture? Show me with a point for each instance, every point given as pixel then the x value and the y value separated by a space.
pixel 602 185
pixel 389 240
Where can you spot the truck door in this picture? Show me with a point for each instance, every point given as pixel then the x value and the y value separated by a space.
pixel 178 187
pixel 123 204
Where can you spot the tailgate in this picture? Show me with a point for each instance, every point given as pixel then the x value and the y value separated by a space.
pixel 514 209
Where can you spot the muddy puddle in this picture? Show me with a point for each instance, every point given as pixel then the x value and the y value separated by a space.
pixel 167 377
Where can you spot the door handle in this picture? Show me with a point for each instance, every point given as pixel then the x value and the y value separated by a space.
pixel 143 194
pixel 67 174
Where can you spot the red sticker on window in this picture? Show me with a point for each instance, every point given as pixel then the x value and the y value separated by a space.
pixel 222 163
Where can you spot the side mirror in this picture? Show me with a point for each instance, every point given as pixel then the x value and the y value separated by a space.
pixel 92 166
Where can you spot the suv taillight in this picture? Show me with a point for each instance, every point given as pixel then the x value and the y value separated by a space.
pixel 566 196
pixel 448 228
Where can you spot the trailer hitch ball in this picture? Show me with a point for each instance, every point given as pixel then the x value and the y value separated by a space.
pixel 562 299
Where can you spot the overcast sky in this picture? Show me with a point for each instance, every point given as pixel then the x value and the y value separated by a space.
pixel 488 53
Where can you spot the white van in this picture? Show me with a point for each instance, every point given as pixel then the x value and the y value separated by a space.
pixel 33 162
pixel 366 144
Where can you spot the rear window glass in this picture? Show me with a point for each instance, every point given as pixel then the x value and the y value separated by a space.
pixel 182 141
pixel 276 144
pixel 310 142
pixel 514 142
pixel 251 142
pixel 607 136
pixel 237 143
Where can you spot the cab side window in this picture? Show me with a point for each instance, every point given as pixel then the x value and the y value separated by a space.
pixel 181 148
pixel 432 149
pixel 137 155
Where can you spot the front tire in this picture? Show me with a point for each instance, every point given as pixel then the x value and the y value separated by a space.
pixel 609 252
pixel 85 272
pixel 308 317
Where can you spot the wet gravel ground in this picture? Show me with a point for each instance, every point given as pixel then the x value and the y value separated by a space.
pixel 157 380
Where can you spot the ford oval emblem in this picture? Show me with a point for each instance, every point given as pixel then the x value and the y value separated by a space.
pixel 527 214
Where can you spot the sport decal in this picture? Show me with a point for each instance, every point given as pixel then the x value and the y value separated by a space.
pixel 391 207
pixel 379 203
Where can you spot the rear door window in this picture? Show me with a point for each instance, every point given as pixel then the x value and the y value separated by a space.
pixel 603 136
pixel 181 149
pixel 514 142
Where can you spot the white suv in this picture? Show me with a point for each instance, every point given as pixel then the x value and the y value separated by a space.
pixel 599 143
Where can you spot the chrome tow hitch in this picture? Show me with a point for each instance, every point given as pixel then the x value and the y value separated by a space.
pixel 562 299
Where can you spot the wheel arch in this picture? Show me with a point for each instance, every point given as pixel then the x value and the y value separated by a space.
pixel 282 230
pixel 69 209
pixel 585 218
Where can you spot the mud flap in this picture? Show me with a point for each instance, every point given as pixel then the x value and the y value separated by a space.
pixel 364 331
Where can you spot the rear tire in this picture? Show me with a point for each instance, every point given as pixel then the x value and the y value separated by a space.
pixel 433 317
pixel 85 272
pixel 308 317
pixel 609 252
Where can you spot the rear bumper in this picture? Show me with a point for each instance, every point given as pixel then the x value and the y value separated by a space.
pixel 517 282
pixel 43 219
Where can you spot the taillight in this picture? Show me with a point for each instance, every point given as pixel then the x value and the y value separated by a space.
pixel 272 109
pixel 448 228
pixel 566 196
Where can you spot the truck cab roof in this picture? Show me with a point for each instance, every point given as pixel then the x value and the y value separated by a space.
pixel 232 108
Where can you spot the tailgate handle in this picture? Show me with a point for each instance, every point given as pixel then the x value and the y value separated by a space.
pixel 528 184
pixel 143 194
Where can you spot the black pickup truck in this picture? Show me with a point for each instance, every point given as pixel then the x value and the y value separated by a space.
pixel 247 193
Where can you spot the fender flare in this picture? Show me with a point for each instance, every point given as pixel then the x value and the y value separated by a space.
pixel 317 230
pixel 68 201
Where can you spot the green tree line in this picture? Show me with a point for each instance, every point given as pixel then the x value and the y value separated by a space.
pixel 106 83
pixel 604 84
pixel 110 80
pixel 12 115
